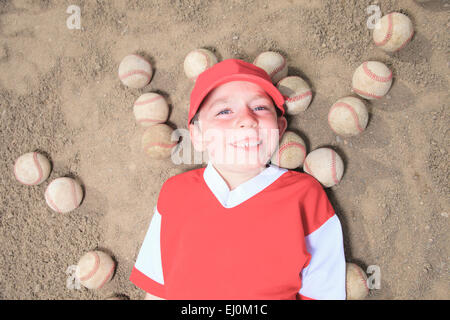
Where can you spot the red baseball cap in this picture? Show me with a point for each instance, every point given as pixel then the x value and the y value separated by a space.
pixel 227 71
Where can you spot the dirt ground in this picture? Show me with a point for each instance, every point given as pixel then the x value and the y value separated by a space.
pixel 60 94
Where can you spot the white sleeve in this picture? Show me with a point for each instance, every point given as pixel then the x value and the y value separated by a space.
pixel 149 258
pixel 324 277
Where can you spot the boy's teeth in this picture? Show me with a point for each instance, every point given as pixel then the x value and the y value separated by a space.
pixel 247 144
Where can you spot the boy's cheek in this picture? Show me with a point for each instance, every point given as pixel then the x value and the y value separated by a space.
pixel 213 137
pixel 271 138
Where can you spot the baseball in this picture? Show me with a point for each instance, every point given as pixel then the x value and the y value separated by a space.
pixel 94 269
pixel 393 32
pixel 135 71
pixel 356 282
pixel 297 93
pixel 198 61
pixel 156 141
pixel 63 194
pixel 32 168
pixel 372 80
pixel 291 151
pixel 150 109
pixel 273 63
pixel 325 165
pixel 348 117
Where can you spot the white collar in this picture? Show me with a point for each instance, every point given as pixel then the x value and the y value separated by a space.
pixel 244 191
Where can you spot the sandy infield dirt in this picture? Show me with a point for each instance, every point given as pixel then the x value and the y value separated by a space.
pixel 60 95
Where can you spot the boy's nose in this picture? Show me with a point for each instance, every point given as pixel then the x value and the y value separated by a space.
pixel 247 118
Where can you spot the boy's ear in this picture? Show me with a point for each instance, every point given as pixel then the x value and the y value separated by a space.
pixel 196 136
pixel 282 125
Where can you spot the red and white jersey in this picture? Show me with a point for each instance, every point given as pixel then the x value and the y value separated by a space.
pixel 275 236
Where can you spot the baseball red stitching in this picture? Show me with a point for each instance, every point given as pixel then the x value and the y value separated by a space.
pixel 206 58
pixel 406 42
pixel 15 174
pixel 74 193
pixel 329 122
pixel 287 145
pixel 363 280
pixel 332 127
pixel 276 70
pixel 288 77
pixel 333 167
pixel 150 100
pixel 375 77
pixel 47 196
pixel 36 162
pixel 94 269
pixel 134 72
pixel 361 277
pixel 388 32
pixel 40 172
pixel 308 170
pixel 366 93
pixel 298 97
pixel 352 111
pixel 107 276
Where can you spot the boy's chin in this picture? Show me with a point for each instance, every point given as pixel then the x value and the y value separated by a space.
pixel 243 166
pixel 242 161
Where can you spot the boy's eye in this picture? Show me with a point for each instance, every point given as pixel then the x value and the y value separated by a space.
pixel 263 107
pixel 223 111
pixel 256 108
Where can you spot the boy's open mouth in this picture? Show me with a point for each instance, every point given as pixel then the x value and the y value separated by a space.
pixel 247 144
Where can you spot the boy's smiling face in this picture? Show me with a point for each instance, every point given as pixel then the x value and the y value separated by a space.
pixel 238 126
